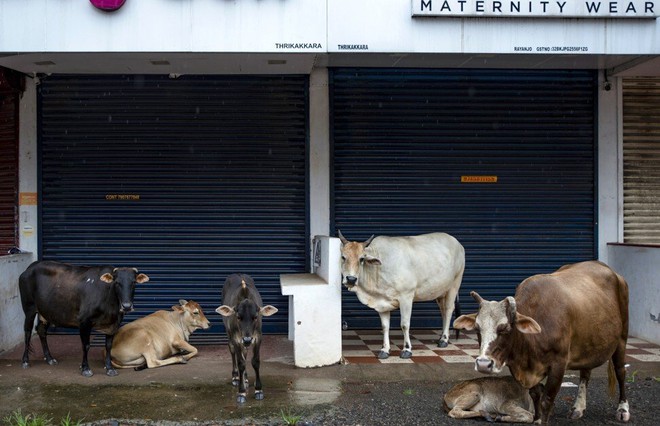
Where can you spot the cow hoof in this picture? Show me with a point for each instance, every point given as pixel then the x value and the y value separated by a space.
pixel 259 395
pixel 241 399
pixel 111 372
pixel 86 372
pixel 51 361
pixel 490 417
pixel 622 412
pixel 405 354
pixel 576 414
pixel 623 416
pixel 383 355
pixel 26 365
pixel 443 344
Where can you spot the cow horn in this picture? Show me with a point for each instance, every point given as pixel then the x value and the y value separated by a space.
pixel 114 271
pixel 244 288
pixel 341 237
pixel 366 243
pixel 511 306
pixel 476 297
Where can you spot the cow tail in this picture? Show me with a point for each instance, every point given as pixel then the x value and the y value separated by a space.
pixel 611 378
pixel 457 312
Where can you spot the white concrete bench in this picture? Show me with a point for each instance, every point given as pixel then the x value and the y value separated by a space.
pixel 315 307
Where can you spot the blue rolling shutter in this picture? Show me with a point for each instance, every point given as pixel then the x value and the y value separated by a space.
pixel 404 139
pixel 188 180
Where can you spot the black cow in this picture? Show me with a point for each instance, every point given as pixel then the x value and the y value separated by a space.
pixel 83 297
pixel 241 313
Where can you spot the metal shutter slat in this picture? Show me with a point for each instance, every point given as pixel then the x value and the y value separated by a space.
pixel 219 165
pixel 403 138
pixel 641 160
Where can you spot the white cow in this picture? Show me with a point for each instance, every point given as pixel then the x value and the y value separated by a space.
pixel 388 273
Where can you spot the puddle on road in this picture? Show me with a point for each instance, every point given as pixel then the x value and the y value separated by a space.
pixel 155 400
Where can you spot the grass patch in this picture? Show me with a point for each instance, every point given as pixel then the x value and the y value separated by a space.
pixel 289 418
pixel 17 418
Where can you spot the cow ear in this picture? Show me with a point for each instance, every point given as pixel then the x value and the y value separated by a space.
pixel 371 260
pixel 225 311
pixel 268 310
pixel 142 278
pixel 107 278
pixel 177 308
pixel 465 322
pixel 527 325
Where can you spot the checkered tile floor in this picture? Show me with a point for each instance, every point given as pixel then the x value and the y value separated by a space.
pixel 362 347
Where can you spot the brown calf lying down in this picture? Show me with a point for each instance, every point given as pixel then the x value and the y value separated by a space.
pixel 494 398
pixel 160 338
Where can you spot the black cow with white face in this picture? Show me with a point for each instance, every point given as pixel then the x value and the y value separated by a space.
pixel 241 312
pixel 82 297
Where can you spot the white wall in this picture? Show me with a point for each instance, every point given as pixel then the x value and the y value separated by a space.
pixel 11 312
pixel 387 26
pixel 162 25
pixel 304 25
pixel 640 266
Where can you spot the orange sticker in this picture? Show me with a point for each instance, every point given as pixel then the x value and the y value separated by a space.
pixel 28 199
pixel 478 179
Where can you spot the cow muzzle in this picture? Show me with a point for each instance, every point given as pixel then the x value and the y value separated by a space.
pixel 247 341
pixel 126 307
pixel 351 281
pixel 486 365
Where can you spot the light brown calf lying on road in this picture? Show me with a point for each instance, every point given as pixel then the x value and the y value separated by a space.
pixel 494 398
pixel 160 338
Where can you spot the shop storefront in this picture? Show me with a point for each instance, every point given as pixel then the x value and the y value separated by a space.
pixel 194 139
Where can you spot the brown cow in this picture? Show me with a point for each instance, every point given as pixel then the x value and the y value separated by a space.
pixel 160 338
pixel 494 398
pixel 575 318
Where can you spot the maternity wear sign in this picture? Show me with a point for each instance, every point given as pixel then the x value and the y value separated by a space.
pixel 537 8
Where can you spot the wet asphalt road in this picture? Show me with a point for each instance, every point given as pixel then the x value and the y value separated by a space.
pixel 199 393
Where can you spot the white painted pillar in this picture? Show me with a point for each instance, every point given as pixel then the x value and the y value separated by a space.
pixel 319 153
pixel 610 163
pixel 27 170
